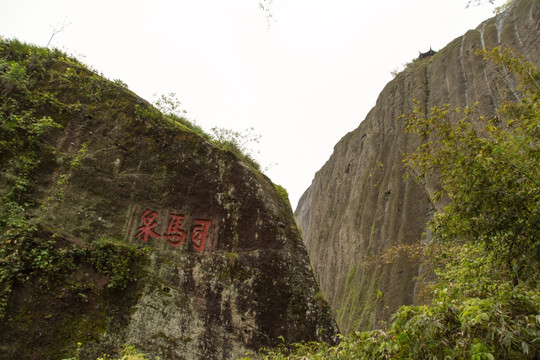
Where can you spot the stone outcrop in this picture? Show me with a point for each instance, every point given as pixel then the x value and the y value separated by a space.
pixel 359 206
pixel 149 235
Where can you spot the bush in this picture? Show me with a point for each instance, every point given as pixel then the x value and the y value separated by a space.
pixel 486 302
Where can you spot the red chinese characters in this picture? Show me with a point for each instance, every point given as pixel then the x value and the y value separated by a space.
pixel 199 234
pixel 176 230
pixel 149 223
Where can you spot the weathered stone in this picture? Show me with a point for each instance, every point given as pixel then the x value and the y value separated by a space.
pixel 358 205
pixel 218 266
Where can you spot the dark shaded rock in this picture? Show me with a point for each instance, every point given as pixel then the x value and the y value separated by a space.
pixel 171 244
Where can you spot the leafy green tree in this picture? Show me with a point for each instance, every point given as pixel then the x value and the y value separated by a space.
pixel 489 172
pixel 486 302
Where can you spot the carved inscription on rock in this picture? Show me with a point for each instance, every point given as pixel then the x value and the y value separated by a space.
pixel 175 227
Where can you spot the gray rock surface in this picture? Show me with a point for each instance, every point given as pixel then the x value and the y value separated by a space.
pixel 359 206
pixel 144 233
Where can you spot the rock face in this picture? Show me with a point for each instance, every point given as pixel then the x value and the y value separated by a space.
pixel 359 207
pixel 140 232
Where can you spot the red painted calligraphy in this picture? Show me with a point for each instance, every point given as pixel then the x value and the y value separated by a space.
pixel 146 230
pixel 199 234
pixel 178 229
pixel 175 232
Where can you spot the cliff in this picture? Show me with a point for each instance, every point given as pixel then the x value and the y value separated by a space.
pixel 123 226
pixel 359 208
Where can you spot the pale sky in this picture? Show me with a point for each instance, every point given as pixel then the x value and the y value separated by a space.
pixel 303 82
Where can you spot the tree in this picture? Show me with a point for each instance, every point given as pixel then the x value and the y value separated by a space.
pixel 490 181
pixel 56 30
pixel 489 172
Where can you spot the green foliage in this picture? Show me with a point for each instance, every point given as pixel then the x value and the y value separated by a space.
pixel 41 89
pixel 476 313
pixel 169 105
pixel 490 171
pixel 282 192
pixel 399 69
pixel 116 260
pixel 486 301
pixel 503 7
pixel 232 258
pixel 63 179
pixel 130 353
pixel 28 252
pixel 127 353
pixel 148 113
pixel 28 114
pixel 238 142
pixel 77 353
pixel 21 127
pixel 31 253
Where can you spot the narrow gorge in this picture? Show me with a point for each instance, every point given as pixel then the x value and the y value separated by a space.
pixel 359 209
pixel 123 228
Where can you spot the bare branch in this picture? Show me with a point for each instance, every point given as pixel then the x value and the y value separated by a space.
pixel 56 30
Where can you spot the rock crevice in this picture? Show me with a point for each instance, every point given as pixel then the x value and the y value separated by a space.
pixel 358 205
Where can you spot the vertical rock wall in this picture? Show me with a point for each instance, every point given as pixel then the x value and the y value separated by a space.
pixel 359 206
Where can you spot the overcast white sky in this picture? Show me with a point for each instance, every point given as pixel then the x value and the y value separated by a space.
pixel 303 83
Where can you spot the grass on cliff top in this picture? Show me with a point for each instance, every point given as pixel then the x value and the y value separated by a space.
pixel 27 65
pixel 41 90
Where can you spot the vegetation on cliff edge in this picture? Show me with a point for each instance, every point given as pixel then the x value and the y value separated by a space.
pixel 486 247
pixel 91 278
